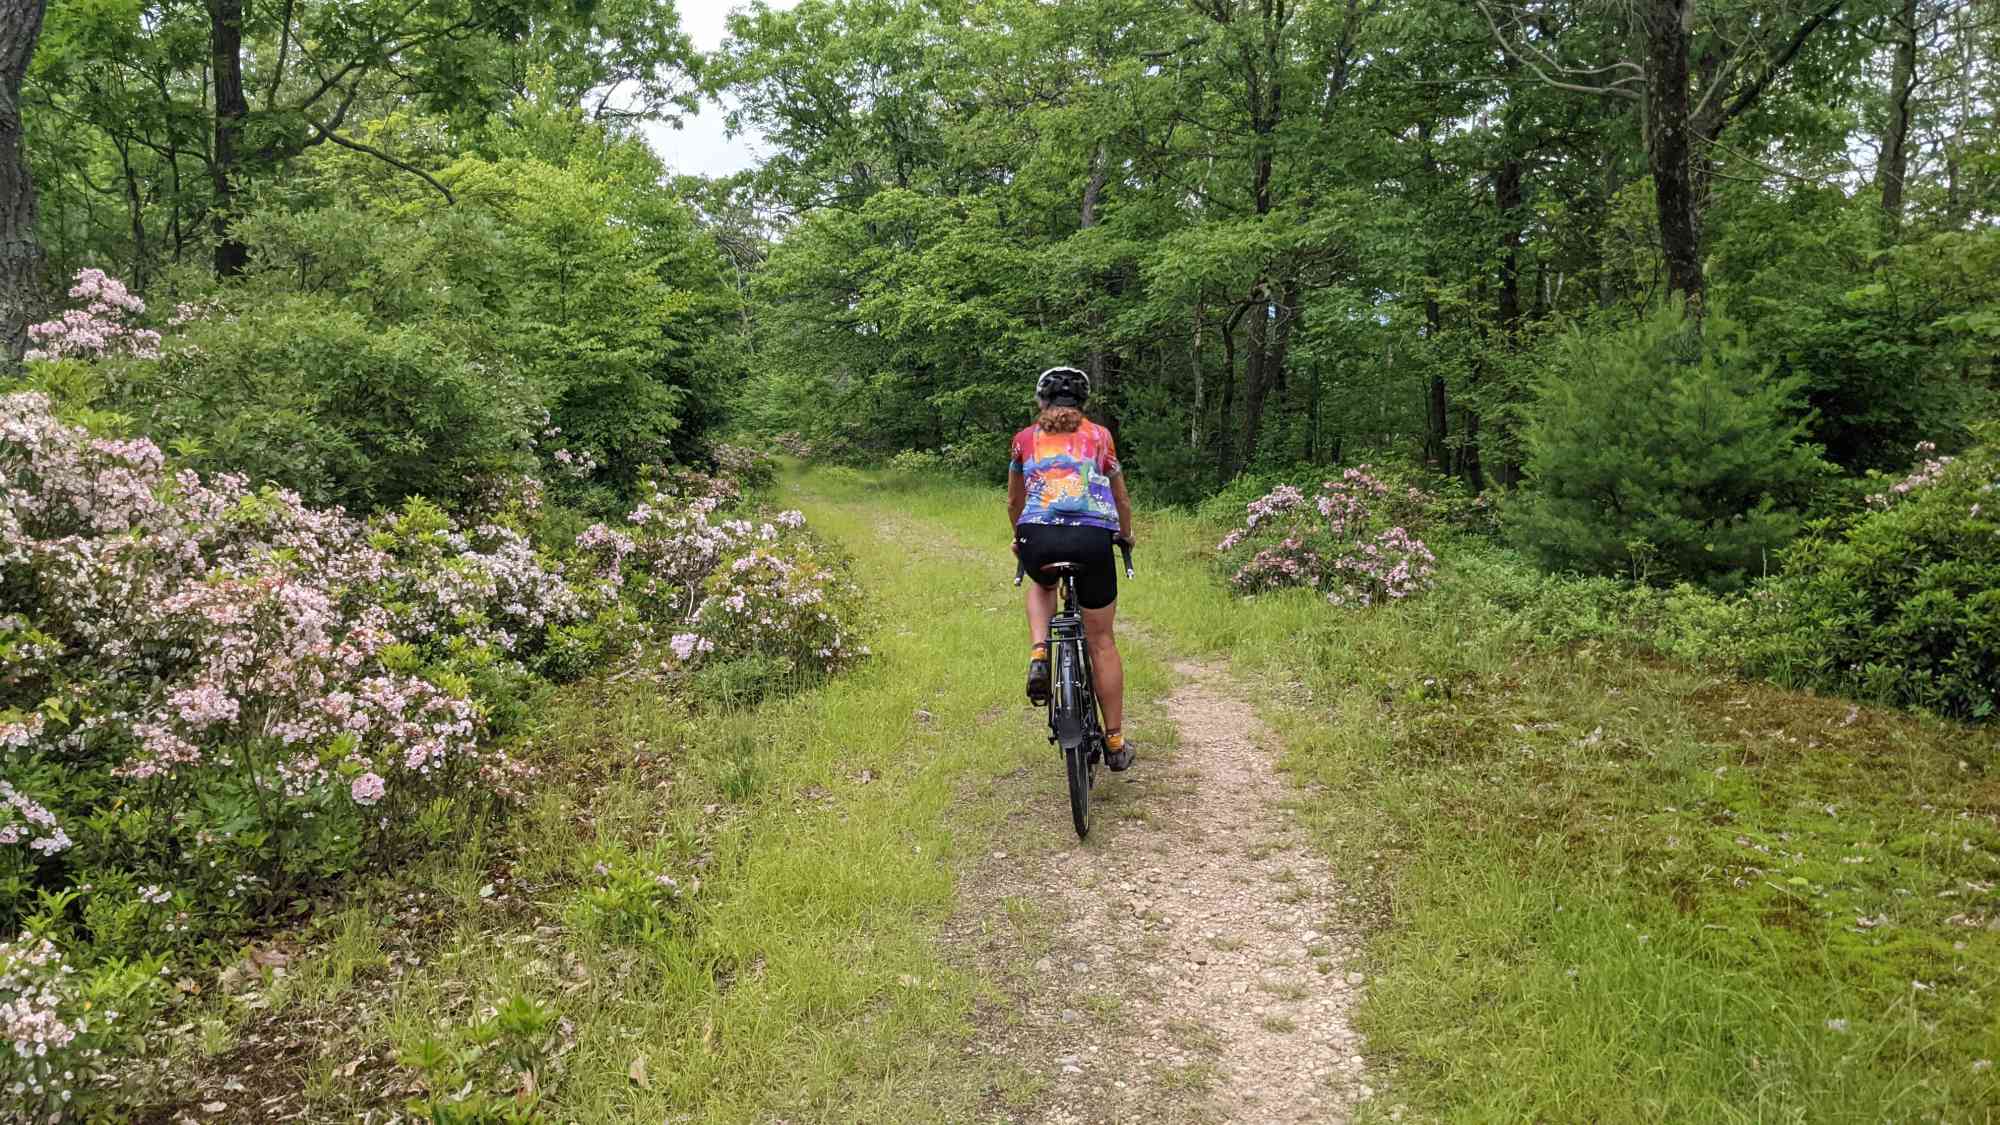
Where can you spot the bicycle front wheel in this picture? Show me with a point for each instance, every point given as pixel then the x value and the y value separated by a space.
pixel 1076 760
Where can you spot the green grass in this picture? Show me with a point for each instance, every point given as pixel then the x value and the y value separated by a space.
pixel 1612 888
pixel 1602 887
pixel 816 839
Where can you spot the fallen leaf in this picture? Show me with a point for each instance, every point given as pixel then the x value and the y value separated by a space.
pixel 637 1072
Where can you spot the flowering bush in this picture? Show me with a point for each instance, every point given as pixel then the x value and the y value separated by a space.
pixel 238 691
pixel 781 602
pixel 214 696
pixel 1904 604
pixel 1334 542
pixel 726 587
pixel 794 445
pixel 751 468
pixel 56 1024
pixel 1928 472
pixel 98 327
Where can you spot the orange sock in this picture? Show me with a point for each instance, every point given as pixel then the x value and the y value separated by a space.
pixel 1039 652
pixel 1115 740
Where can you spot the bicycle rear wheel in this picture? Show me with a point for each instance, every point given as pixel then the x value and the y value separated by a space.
pixel 1070 713
pixel 1076 760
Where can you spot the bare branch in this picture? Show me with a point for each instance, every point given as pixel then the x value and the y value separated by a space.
pixel 1748 97
pixel 1619 88
pixel 326 134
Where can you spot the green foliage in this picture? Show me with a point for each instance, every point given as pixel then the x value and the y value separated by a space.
pixel 482 1073
pixel 1903 605
pixel 1663 451
pixel 306 392
pixel 66 1026
pixel 1888 345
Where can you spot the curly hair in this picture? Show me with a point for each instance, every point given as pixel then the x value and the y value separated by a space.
pixel 1060 419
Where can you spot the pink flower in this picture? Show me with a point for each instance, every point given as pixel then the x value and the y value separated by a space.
pixel 367 789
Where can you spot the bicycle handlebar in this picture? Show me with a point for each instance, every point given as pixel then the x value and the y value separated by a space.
pixel 1124 548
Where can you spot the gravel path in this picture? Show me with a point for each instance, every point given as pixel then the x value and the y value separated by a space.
pixel 1192 963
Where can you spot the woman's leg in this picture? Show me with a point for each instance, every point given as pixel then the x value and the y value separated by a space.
pixel 1041 607
pixel 1107 671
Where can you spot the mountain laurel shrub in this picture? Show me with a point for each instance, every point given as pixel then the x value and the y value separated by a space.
pixel 1350 541
pixel 1903 604
pixel 1664 451
pixel 216 699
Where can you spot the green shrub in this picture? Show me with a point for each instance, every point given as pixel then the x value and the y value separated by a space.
pixel 64 1026
pixel 1666 452
pixel 308 393
pixel 918 464
pixel 1904 604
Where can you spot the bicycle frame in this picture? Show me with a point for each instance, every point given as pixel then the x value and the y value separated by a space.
pixel 1073 717
pixel 1074 724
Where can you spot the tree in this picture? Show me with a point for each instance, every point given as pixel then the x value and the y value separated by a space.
pixel 1702 67
pixel 1665 451
pixel 20 251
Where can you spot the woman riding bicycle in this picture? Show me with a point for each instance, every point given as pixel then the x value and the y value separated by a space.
pixel 1066 502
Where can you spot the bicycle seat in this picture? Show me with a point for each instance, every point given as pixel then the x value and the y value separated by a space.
pixel 1062 568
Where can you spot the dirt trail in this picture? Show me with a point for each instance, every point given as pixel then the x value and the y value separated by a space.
pixel 1193 963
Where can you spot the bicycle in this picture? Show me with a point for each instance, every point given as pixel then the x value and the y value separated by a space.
pixel 1074 724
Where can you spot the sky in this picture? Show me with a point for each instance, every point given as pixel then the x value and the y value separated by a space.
pixel 699 147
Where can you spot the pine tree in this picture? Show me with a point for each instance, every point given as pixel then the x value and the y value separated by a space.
pixel 1665 450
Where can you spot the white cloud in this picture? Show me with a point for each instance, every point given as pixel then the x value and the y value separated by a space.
pixel 699 146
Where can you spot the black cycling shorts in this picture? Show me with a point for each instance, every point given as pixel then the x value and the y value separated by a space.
pixel 1042 543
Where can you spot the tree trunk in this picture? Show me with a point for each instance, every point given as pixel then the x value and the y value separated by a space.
pixel 1093 191
pixel 1895 162
pixel 1225 438
pixel 20 253
pixel 1194 365
pixel 225 45
pixel 1607 289
pixel 135 208
pixel 1256 374
pixel 1670 148
pixel 1507 198
pixel 1475 475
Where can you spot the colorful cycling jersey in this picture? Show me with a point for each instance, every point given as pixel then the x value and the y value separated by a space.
pixel 1068 476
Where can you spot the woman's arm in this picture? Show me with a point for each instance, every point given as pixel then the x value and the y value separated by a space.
pixel 1017 500
pixel 1124 501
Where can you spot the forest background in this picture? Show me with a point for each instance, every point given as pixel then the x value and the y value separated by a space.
pixel 1687 312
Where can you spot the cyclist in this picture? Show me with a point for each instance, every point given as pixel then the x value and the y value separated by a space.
pixel 1066 502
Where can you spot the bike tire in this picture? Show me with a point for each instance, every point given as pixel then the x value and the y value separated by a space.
pixel 1070 713
pixel 1076 762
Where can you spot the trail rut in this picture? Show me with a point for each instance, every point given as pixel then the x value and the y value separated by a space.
pixel 1195 962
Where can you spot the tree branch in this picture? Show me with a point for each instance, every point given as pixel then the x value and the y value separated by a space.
pixel 1748 97
pixel 1513 51
pixel 326 134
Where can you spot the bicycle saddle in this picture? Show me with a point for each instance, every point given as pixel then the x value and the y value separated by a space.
pixel 1062 568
